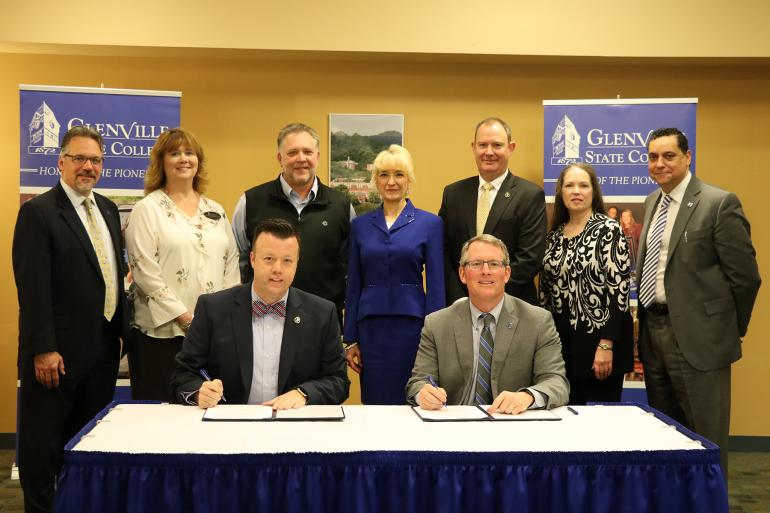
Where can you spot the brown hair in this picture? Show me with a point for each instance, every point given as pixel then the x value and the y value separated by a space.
pixel 560 213
pixel 155 178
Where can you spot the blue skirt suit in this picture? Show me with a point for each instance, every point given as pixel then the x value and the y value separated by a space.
pixel 385 303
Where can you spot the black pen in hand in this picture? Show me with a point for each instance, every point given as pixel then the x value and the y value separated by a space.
pixel 433 383
pixel 205 375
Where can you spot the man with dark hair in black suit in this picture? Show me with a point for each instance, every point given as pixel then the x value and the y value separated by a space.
pixel 265 342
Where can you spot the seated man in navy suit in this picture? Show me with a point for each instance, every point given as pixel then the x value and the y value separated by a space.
pixel 264 343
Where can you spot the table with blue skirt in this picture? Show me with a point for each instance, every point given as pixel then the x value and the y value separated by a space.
pixel 137 457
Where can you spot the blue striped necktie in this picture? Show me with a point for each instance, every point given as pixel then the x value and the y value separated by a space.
pixel 651 257
pixel 484 373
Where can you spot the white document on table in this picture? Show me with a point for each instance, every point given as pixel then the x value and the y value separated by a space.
pixel 312 412
pixel 525 415
pixel 451 414
pixel 236 412
pixel 252 412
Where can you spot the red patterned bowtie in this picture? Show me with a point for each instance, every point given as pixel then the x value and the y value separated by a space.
pixel 260 309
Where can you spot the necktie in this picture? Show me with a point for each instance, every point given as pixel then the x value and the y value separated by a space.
pixel 484 373
pixel 110 294
pixel 482 209
pixel 260 309
pixel 652 255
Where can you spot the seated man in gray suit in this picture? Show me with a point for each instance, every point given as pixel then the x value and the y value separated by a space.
pixel 491 348
pixel 265 342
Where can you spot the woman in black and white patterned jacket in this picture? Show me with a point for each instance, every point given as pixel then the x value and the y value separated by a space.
pixel 585 284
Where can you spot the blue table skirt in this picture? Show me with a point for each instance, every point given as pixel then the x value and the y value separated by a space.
pixel 398 482
pixel 394 481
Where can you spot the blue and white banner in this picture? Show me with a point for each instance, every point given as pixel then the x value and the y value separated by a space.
pixel 611 135
pixel 129 120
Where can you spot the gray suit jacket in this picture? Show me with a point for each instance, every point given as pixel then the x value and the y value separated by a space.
pixel 711 275
pixel 527 353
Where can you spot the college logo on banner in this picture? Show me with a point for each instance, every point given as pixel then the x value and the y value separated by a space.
pixel 612 136
pixel 129 121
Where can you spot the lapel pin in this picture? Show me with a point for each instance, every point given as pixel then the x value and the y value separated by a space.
pixel 510 325
pixel 507 194
pixel 689 205
pixel 325 222
pixel 297 319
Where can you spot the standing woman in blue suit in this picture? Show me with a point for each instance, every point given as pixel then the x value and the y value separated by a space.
pixel 385 303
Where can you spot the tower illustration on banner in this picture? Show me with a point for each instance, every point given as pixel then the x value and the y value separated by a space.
pixel 565 142
pixel 43 131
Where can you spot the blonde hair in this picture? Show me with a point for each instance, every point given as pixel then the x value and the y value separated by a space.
pixel 395 157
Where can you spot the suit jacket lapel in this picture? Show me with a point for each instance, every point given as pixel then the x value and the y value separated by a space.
pixel 502 200
pixel 688 206
pixel 406 217
pixel 470 199
pixel 292 332
pixel 72 219
pixel 462 329
pixel 113 225
pixel 506 327
pixel 244 341
pixel 650 204
pixel 378 220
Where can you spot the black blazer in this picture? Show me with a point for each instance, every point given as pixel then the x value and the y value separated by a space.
pixel 220 341
pixel 59 282
pixel 517 217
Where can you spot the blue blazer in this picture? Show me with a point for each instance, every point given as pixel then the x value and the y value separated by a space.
pixel 385 267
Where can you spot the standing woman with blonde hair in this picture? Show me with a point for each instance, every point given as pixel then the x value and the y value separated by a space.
pixel 386 304
pixel 585 283
pixel 180 246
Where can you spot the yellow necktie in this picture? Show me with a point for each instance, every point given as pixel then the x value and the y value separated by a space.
pixel 482 209
pixel 104 261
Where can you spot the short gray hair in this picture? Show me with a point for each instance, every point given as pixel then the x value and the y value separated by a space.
pixel 297 128
pixel 487 239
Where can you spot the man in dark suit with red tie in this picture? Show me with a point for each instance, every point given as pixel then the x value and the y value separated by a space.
pixel 498 203
pixel 67 261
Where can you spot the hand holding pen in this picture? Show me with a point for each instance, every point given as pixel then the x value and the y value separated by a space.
pixel 431 396
pixel 210 392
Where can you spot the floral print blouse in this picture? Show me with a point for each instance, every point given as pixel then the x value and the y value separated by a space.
pixel 175 258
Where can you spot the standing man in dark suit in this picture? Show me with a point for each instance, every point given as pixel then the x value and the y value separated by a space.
pixel 67 261
pixel 265 342
pixel 697 287
pixel 499 203
pixel 321 214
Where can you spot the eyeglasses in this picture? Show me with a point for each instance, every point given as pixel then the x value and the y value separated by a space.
pixel 80 160
pixel 493 265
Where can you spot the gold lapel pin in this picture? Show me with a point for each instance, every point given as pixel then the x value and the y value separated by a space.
pixel 507 194
pixel 297 319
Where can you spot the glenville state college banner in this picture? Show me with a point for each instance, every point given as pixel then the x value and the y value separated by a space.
pixel 129 120
pixel 612 136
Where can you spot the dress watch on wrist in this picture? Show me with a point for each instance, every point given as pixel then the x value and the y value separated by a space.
pixel 303 394
pixel 606 347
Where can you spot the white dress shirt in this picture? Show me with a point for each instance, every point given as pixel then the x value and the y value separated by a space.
pixel 267 336
pixel 677 194
pixel 496 184
pixel 77 201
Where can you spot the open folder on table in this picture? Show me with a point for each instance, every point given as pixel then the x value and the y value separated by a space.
pixel 258 412
pixel 471 413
